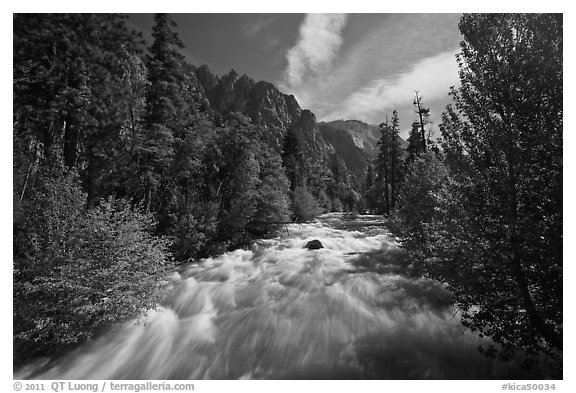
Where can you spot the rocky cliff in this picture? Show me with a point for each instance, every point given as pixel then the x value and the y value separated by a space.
pixel 266 106
pixel 355 142
pixel 352 141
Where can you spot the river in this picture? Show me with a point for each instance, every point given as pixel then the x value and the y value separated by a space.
pixel 355 309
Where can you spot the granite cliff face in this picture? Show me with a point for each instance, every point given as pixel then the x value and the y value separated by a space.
pixel 355 142
pixel 356 149
pixel 309 135
pixel 362 135
pixel 268 107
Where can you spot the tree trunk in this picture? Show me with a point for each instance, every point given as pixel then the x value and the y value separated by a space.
pixel 392 172
pixel 421 123
pixel 91 181
pixel 386 196
pixel 384 148
pixel 540 326
pixel 544 329
pixel 70 134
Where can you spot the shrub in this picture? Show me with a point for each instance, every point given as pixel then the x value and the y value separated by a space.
pixel 304 205
pixel 337 205
pixel 78 272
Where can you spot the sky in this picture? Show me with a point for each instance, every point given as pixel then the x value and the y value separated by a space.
pixel 340 66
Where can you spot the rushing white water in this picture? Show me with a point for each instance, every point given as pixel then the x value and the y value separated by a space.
pixel 354 309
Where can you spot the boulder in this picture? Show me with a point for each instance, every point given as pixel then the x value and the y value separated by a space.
pixel 314 245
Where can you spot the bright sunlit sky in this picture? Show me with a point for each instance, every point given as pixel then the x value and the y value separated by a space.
pixel 340 66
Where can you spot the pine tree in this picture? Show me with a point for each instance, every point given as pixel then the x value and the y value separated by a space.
pixel 383 168
pixel 369 190
pixel 293 161
pixel 396 163
pixel 389 164
pixel 414 141
pixel 77 93
pixel 340 185
pixel 166 104
pixel 168 114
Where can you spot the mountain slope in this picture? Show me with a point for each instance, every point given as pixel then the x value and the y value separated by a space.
pixel 355 142
pixel 267 107
pixel 351 141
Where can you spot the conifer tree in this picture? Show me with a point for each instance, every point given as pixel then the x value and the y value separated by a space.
pixel 293 160
pixel 369 185
pixel 389 164
pixel 383 168
pixel 165 100
pixel 170 116
pixel 414 141
pixel 395 160
pixel 77 93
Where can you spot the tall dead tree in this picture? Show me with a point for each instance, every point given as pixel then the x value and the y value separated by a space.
pixel 423 114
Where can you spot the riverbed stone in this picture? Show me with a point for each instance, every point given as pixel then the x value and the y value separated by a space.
pixel 314 245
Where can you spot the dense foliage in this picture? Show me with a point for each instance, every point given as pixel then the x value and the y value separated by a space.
pixel 78 271
pixel 485 216
pixel 305 206
pixel 384 185
pixel 122 162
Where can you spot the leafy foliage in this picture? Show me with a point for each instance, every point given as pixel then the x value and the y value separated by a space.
pixel 488 220
pixel 272 200
pixel 77 271
pixel 77 86
pixel 304 205
pixel 423 196
pixel 139 131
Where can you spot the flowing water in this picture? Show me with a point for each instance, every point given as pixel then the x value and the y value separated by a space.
pixel 356 308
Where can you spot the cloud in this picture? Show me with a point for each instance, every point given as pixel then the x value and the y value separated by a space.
pixel 271 42
pixel 431 76
pixel 255 25
pixel 318 44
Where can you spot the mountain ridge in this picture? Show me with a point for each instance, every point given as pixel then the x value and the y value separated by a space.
pixel 351 141
pixel 355 142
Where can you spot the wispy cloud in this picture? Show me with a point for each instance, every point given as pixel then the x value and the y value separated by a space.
pixel 261 27
pixel 271 42
pixel 256 24
pixel 318 44
pixel 373 65
pixel 432 76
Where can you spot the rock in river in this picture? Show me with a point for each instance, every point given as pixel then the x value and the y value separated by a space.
pixel 314 245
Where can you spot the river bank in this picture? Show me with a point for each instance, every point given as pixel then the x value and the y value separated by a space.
pixel 355 309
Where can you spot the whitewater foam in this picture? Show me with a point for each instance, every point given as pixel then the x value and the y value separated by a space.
pixel 282 311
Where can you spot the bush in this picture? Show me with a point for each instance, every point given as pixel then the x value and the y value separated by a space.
pixel 325 202
pixel 194 228
pixel 337 205
pixel 78 272
pixel 304 205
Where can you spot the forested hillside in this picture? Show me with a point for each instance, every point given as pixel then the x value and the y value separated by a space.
pixel 168 158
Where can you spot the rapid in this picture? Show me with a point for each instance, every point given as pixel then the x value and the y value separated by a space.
pixel 355 309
